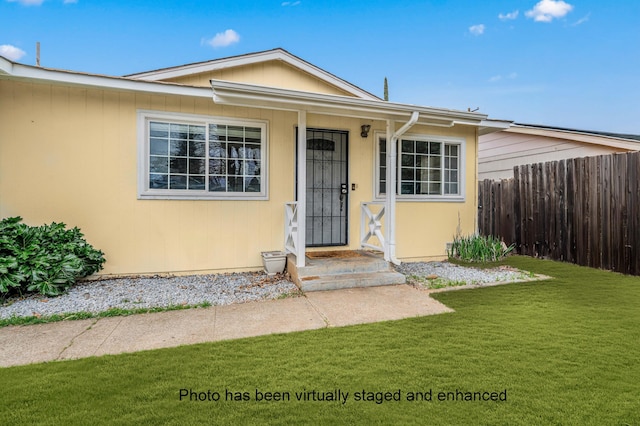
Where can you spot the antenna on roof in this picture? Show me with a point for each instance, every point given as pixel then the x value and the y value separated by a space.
pixel 37 53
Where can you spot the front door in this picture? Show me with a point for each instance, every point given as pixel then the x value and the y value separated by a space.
pixel 327 188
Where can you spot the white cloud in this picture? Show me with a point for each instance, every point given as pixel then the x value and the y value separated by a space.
pixel 509 16
pixel 477 30
pixel 223 39
pixel 581 20
pixel 290 3
pixel 548 10
pixel 499 77
pixel 27 2
pixel 12 53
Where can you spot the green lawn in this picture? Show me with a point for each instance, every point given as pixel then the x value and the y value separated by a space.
pixel 567 351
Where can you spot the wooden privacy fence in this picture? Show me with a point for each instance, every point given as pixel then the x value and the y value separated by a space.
pixel 582 210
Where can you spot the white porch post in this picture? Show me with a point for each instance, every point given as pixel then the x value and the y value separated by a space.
pixel 390 193
pixel 302 189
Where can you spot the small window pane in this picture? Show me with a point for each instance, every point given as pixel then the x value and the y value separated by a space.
pixel 217 184
pixel 197 167
pixel 179 131
pixel 235 184
pixel 236 133
pixel 158 181
pixel 218 150
pixel 178 148
pixel 177 182
pixel 252 134
pixel 159 147
pixel 178 165
pixel 434 162
pixel 197 183
pixel 408 174
pixel 407 146
pixel 422 147
pixel 435 148
pixel 197 149
pixel 197 133
pixel 252 184
pixel 408 160
pixel 434 188
pixel 159 130
pixel 407 188
pixel 218 167
pixel 234 167
pixel 159 165
pixel 453 150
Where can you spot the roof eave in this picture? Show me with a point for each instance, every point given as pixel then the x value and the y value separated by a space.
pixel 31 73
pixel 247 95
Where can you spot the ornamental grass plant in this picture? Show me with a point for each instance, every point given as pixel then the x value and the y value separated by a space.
pixel 478 248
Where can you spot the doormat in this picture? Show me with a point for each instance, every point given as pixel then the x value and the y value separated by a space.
pixel 337 254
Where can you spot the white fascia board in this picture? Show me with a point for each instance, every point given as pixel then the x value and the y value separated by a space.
pixel 6 66
pixel 25 72
pixel 237 61
pixel 588 138
pixel 241 94
pixel 492 126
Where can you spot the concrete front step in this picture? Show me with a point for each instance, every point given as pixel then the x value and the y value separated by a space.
pixel 354 269
pixel 350 280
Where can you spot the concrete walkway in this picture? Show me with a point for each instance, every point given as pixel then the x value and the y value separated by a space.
pixel 94 337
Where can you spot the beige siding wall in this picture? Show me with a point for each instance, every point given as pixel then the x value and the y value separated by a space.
pixel 500 152
pixel 69 155
pixel 272 73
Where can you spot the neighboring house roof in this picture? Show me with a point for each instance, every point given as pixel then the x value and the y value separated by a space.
pixel 617 140
pixel 249 59
pixel 259 96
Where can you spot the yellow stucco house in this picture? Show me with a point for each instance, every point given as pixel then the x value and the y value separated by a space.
pixel 197 168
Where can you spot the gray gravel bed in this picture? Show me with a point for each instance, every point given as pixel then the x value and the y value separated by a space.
pixel 152 292
pixel 219 289
pixel 452 272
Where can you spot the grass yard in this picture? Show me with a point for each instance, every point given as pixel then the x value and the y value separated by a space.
pixel 567 351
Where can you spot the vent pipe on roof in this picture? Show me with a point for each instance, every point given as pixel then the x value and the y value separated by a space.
pixel 37 53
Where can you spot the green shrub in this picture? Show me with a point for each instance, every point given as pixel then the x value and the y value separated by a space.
pixel 45 259
pixel 478 248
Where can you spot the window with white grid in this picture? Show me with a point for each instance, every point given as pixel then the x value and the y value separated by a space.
pixel 427 168
pixel 196 157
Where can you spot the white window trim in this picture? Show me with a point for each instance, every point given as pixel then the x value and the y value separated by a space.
pixel 144 193
pixel 462 172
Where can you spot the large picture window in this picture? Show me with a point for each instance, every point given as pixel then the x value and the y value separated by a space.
pixel 427 168
pixel 201 157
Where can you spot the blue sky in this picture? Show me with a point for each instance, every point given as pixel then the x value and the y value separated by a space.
pixel 573 63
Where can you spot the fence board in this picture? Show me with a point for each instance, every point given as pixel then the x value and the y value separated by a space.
pixel 583 210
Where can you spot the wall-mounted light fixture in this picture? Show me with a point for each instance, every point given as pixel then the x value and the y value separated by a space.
pixel 365 130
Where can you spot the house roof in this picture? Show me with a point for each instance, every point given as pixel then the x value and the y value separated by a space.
pixel 617 140
pixel 253 58
pixel 585 132
pixel 259 97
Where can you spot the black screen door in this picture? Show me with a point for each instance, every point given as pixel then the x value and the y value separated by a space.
pixel 327 190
